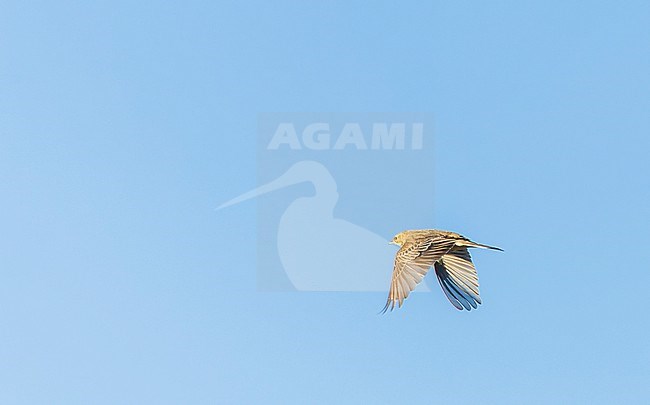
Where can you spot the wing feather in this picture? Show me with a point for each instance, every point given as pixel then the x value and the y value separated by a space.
pixel 412 262
pixel 449 295
pixel 457 293
pixel 458 278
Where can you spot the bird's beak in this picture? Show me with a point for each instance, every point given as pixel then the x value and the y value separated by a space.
pixel 281 182
pixel 392 243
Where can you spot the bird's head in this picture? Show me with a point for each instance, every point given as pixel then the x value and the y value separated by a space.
pixel 399 239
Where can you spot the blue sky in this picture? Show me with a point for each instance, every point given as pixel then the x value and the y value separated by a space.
pixel 123 125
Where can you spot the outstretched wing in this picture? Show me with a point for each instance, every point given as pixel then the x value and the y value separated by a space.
pixel 412 262
pixel 458 278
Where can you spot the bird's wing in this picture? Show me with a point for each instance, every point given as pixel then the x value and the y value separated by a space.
pixel 458 278
pixel 412 262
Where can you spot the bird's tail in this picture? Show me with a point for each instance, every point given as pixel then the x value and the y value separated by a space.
pixel 480 245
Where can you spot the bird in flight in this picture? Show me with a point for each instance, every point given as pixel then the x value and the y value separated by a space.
pixel 448 253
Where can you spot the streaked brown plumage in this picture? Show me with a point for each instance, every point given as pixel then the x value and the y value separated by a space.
pixel 447 252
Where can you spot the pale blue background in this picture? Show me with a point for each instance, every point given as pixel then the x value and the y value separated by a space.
pixel 123 124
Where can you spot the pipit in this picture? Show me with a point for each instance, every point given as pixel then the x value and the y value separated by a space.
pixel 447 253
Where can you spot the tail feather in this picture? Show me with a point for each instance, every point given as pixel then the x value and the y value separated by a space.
pixel 480 245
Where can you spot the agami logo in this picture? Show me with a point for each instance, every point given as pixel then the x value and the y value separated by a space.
pixel 318 136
